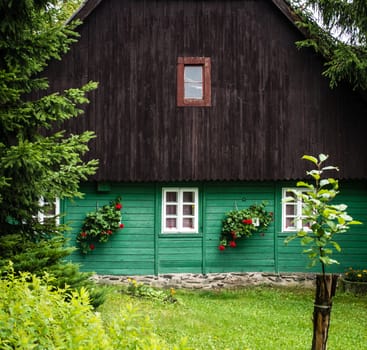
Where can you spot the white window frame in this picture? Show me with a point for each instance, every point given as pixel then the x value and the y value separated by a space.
pixel 179 216
pixel 297 217
pixel 42 216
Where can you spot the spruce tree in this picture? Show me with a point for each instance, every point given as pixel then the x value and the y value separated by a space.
pixel 338 30
pixel 37 158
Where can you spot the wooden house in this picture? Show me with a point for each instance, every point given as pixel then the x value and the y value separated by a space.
pixel 207 104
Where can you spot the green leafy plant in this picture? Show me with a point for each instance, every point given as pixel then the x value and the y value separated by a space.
pixel 325 219
pixel 355 275
pixel 98 226
pixel 36 315
pixel 243 223
pixel 137 289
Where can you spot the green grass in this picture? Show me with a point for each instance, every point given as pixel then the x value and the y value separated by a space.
pixel 252 318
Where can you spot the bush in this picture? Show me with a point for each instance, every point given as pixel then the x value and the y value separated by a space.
pixel 47 255
pixel 35 315
pixel 356 275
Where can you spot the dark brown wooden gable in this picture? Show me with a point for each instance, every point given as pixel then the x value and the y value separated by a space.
pixel 270 104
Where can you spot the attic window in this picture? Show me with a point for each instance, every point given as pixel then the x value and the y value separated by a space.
pixel 193 82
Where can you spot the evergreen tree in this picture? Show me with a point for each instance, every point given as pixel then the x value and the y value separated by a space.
pixel 341 38
pixel 37 160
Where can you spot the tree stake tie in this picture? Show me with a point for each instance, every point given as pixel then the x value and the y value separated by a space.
pixel 322 306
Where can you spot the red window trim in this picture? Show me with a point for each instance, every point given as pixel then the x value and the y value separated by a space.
pixel 181 100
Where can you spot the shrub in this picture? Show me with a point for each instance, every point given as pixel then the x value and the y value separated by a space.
pixel 47 255
pixel 35 315
pixel 355 275
pixel 142 290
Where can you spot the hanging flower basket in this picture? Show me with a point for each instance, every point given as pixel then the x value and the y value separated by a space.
pixel 244 223
pixel 99 226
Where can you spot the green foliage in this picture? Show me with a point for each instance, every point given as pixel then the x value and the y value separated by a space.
pixel 47 255
pixel 33 163
pixel 65 8
pixel 99 226
pixel 137 289
pixel 242 223
pixel 326 220
pixel 355 275
pixel 35 315
pixel 341 38
pixel 37 158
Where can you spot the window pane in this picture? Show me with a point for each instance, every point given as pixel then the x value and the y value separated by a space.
pixel 290 210
pixel 188 223
pixel 49 209
pixel 289 223
pixel 194 91
pixel 193 74
pixel 189 197
pixel 171 196
pixel 188 210
pixel 171 210
pixel 193 82
pixel 171 223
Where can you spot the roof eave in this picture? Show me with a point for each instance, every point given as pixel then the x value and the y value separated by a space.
pixel 84 10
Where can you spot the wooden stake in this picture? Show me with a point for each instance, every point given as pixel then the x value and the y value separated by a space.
pixel 325 290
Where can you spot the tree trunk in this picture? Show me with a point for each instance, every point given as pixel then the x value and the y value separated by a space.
pixel 325 290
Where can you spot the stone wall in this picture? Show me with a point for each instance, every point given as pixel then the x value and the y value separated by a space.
pixel 213 280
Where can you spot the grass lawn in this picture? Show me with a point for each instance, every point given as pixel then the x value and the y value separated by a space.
pixel 251 318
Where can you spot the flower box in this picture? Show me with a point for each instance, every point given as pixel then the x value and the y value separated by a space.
pixel 357 288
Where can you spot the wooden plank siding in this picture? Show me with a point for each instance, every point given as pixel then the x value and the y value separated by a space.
pixel 140 248
pixel 256 253
pixel 131 249
pixel 270 104
pixel 353 242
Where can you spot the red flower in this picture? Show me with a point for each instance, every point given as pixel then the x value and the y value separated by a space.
pixel 84 234
pixel 91 246
pixel 122 225
pixel 221 247
pixel 247 221
pixel 232 244
pixel 118 206
pixel 109 232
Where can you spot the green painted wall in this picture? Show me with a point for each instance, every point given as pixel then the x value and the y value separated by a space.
pixel 256 253
pixel 353 242
pixel 140 248
pixel 131 250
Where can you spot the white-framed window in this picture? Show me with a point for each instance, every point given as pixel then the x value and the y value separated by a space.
pixel 180 210
pixel 50 210
pixel 292 211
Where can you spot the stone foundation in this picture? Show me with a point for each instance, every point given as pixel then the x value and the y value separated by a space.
pixel 213 280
